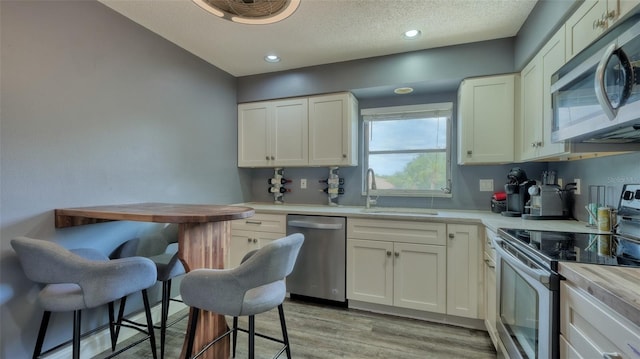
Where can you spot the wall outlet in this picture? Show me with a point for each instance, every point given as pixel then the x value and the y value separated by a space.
pixel 303 183
pixel 486 185
pixel 578 185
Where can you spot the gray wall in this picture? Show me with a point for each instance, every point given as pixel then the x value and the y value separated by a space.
pixel 97 110
pixel 427 70
pixel 542 23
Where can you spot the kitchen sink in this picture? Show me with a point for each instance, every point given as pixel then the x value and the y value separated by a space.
pixel 397 210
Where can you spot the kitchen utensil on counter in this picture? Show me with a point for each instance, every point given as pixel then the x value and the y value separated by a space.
pixel 597 199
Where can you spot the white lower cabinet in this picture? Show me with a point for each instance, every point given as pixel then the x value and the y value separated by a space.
pixel 253 233
pixel 464 272
pixel 591 329
pixel 490 305
pixel 405 275
pixel 432 267
pixel 397 263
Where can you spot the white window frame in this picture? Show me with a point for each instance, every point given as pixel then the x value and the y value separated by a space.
pixel 443 109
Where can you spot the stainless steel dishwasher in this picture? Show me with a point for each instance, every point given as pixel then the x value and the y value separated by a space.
pixel 320 271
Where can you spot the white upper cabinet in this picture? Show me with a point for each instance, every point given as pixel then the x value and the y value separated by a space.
pixel 299 132
pixel 591 20
pixel 333 130
pixel 585 25
pixel 273 133
pixel 530 130
pixel 534 130
pixel 486 117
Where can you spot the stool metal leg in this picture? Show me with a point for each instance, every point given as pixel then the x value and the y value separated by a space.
pixel 166 293
pixel 43 330
pixel 252 339
pixel 283 325
pixel 147 310
pixel 76 333
pixel 193 320
pixel 235 336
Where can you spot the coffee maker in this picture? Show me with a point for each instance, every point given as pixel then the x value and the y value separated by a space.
pixel 549 200
pixel 517 189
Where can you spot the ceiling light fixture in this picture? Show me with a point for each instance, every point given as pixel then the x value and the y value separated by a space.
pixel 272 58
pixel 411 34
pixel 252 12
pixel 403 90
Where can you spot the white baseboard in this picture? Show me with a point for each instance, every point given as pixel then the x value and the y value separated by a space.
pixel 100 341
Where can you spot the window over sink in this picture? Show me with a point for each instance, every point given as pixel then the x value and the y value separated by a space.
pixel 409 150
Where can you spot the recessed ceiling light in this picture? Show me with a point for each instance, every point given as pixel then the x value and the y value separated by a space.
pixel 411 34
pixel 272 58
pixel 403 90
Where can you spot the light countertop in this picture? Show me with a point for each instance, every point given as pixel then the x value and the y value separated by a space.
pixel 489 219
pixel 618 287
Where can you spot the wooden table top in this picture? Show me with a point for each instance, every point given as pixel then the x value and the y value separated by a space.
pixel 150 212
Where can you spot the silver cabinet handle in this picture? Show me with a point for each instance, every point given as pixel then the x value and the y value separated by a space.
pixel 267 158
pixel 314 225
pixel 397 254
pixel 388 253
pixel 452 236
pixel 253 222
pixel 255 240
pixel 249 240
pixel 489 265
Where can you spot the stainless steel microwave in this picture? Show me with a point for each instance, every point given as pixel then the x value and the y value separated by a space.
pixel 596 95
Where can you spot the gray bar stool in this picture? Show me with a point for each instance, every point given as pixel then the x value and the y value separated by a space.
pixel 168 267
pixel 256 286
pixel 75 282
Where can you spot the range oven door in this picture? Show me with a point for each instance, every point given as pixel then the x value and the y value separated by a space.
pixel 528 305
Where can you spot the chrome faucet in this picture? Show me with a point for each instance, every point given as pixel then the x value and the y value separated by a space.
pixel 370 201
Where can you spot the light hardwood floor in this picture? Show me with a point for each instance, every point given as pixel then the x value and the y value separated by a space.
pixel 324 332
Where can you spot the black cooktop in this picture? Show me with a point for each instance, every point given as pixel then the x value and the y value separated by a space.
pixel 550 247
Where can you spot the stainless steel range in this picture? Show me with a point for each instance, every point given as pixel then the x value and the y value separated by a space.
pixel 528 281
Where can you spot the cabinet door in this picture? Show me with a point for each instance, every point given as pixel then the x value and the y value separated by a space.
pixel 370 271
pixel 419 278
pixel 530 139
pixel 593 329
pixel 463 270
pixel 333 130
pixel 486 120
pixel 290 131
pixel 254 127
pixel 582 27
pixel 552 57
pixel 242 242
pixel 490 309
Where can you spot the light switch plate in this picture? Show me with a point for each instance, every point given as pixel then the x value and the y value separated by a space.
pixel 303 183
pixel 486 185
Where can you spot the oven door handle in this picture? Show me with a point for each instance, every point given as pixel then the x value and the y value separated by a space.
pixel 540 275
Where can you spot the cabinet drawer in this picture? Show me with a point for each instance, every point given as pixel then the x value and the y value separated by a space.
pixel 397 231
pixel 262 222
pixel 489 251
pixel 593 329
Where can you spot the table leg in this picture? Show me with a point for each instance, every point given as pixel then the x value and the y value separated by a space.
pixel 205 245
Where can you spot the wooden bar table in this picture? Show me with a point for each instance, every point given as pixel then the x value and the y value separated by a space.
pixel 203 242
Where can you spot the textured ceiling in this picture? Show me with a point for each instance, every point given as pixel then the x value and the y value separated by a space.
pixel 326 31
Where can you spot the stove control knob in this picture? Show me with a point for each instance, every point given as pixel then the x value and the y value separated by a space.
pixel 627 195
